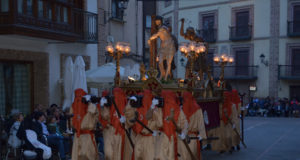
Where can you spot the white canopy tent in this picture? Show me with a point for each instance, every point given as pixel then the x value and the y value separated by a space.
pixel 104 74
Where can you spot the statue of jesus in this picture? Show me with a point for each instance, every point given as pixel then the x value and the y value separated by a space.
pixel 167 48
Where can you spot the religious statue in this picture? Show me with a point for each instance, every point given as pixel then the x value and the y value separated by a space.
pixel 173 66
pixel 153 44
pixel 200 62
pixel 167 48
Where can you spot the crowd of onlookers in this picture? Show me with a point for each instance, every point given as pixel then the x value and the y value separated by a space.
pixel 271 107
pixel 51 127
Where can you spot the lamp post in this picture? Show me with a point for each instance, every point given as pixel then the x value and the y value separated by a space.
pixel 191 51
pixel 117 52
pixel 222 60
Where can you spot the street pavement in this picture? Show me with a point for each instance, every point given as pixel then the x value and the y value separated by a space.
pixel 266 139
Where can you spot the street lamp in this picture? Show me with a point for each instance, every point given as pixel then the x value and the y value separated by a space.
pixel 222 60
pixel 123 4
pixel 117 52
pixel 262 59
pixel 191 51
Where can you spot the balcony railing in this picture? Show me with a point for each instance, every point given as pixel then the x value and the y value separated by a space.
pixel 85 25
pixel 239 33
pixel 58 22
pixel 293 29
pixel 209 35
pixel 236 72
pixel 289 72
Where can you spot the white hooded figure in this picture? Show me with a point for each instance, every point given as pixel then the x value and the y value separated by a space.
pixel 32 138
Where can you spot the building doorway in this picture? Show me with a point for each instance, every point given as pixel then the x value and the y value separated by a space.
pixel 295 92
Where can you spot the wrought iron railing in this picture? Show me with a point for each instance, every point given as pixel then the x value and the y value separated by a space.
pixel 238 33
pixel 73 25
pixel 293 29
pixel 209 35
pixel 85 25
pixel 236 72
pixel 289 72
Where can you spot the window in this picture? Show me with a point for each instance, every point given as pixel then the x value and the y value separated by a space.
pixel 296 18
pixel 65 12
pixel 15 87
pixel 168 3
pixel 148 22
pixel 20 6
pixel 242 23
pixel 295 92
pixel 296 62
pixel 4 5
pixel 117 11
pixel 58 13
pixel 168 21
pixel 29 7
pixel 242 61
pixel 40 8
pixel 208 23
pixel 49 11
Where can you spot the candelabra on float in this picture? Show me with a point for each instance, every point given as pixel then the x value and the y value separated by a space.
pixel 117 52
pixel 191 51
pixel 222 60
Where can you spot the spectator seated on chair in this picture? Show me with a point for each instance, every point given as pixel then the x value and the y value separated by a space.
pixel 13 140
pixel 34 144
pixel 56 138
pixel 42 151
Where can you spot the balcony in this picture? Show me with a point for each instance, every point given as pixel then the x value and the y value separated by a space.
pixel 240 33
pixel 209 35
pixel 236 72
pixel 293 29
pixel 289 72
pixel 50 19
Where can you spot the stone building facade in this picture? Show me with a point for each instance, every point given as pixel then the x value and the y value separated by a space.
pixel 33 45
pixel 262 36
pixel 120 24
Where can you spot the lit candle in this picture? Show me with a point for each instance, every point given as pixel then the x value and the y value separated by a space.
pixel 121 48
pixel 202 48
pixel 216 59
pixel 192 47
pixel 198 50
pixel 182 49
pixel 223 56
pixel 109 49
pixel 225 59
pixel 127 49
pixel 231 60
